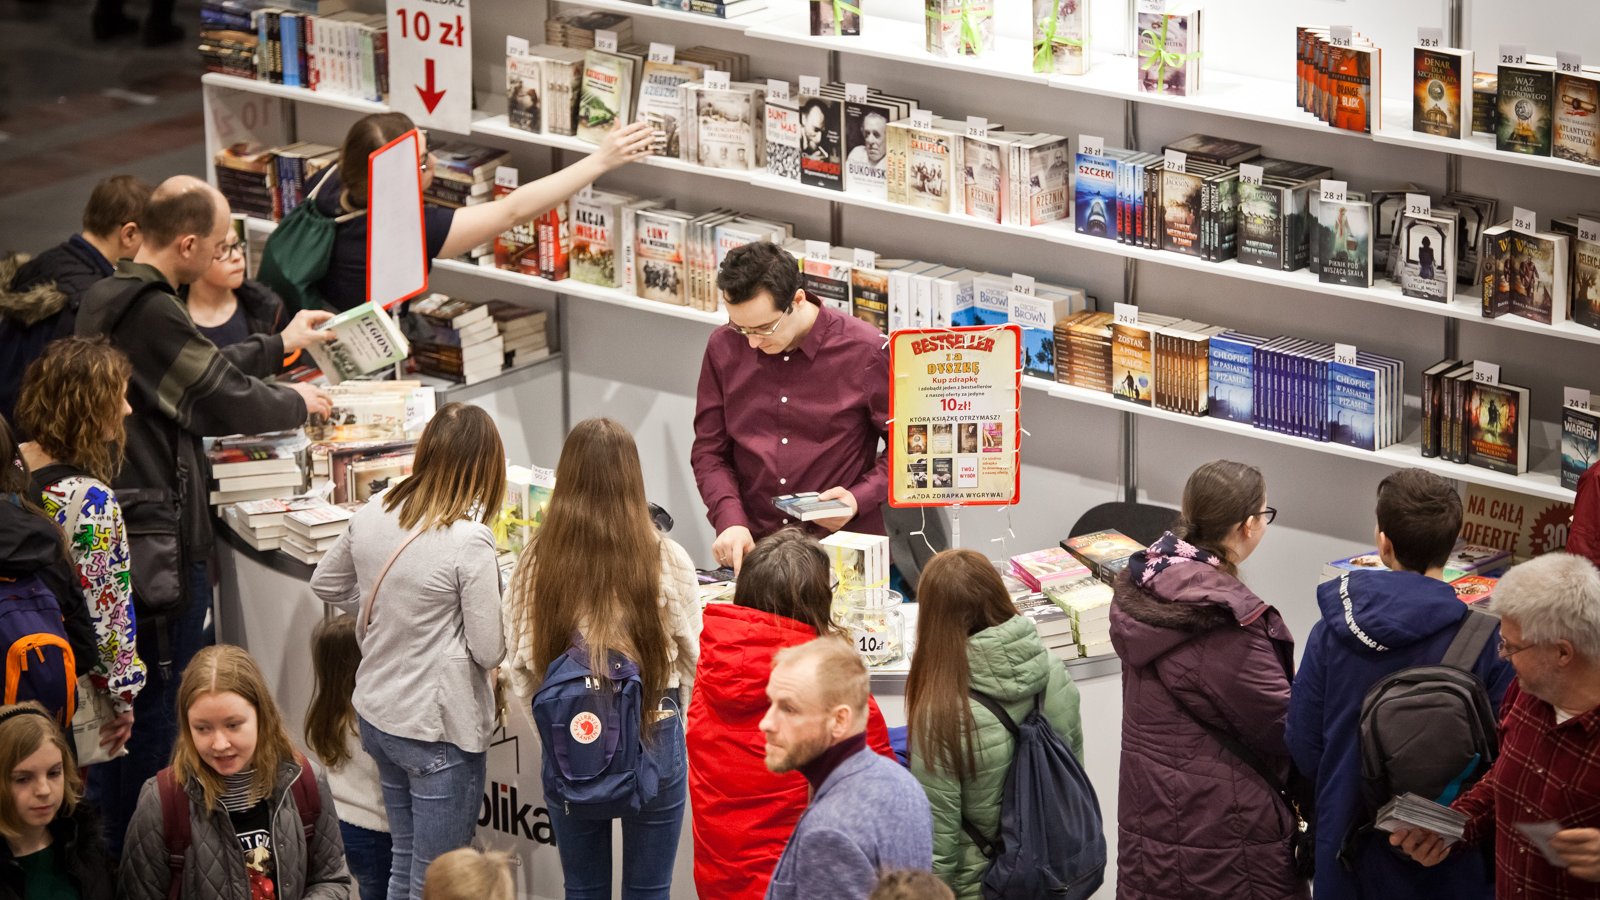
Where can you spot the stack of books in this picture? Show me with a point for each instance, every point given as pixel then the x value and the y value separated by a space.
pixel 858 561
pixel 454 339
pixel 1339 78
pixel 321 46
pixel 1053 623
pixel 1104 552
pixel 1087 601
pixel 1472 570
pixel 542 88
pixel 259 523
pixel 576 27
pixel 228 38
pixel 1414 811
pixel 293 168
pixel 311 531
pixel 524 332
pixel 1479 422
pixel 256 467
pixel 246 177
pixel 463 175
pixel 1038 568
pixel 1580 440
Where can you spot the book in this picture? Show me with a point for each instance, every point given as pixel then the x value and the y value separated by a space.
pixel 1061 36
pixel 959 27
pixel 836 18
pixel 1132 362
pixel 1040 566
pixel 1425 257
pixel 1485 114
pixel 1585 282
pixel 922 167
pixel 1441 91
pixel 1475 589
pixel 317 521
pixel 1169 50
pixel 1344 230
pixel 365 340
pixel 857 561
pixel 1048 619
pixel 1525 275
pixel 1037 314
pixel 661 101
pixel 660 255
pixel 783 139
pixel 985 181
pixel 1496 431
pixel 1094 196
pixel 821 141
pixel 1104 552
pixel 1524 109
pixel 866 132
pixel 1041 174
pixel 806 507
pixel 1575 132
pixel 1231 375
pixel 595 220
pixel 606 94
pixel 1580 442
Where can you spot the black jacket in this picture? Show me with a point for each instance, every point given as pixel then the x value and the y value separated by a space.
pixel 80 855
pixel 38 301
pixel 32 544
pixel 263 308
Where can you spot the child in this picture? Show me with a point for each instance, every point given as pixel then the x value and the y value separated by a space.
pixel 248 792
pixel 352 774
pixel 910 884
pixel 52 842
pixel 469 874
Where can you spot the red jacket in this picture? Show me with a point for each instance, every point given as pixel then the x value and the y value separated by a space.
pixel 743 814
pixel 1584 538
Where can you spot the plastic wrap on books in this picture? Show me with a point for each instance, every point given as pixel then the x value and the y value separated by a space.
pixel 971 40
pixel 840 8
pixel 1044 49
pixel 1158 57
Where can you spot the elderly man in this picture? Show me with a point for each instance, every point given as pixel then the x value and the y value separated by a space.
pixel 867 814
pixel 1548 772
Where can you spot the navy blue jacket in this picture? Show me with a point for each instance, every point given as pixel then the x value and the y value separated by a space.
pixel 1413 618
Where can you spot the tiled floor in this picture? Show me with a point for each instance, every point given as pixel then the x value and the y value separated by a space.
pixel 73 111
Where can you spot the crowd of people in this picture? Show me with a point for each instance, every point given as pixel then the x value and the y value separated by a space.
pixel 1239 777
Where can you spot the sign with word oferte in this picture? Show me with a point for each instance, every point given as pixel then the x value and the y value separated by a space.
pixel 430 62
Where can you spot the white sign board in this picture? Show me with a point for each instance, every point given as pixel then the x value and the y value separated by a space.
pixel 430 62
pixel 397 253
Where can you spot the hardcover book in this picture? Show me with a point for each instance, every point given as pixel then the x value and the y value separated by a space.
pixel 1354 396
pixel 595 237
pixel 1525 275
pixel 1094 196
pixel 1441 91
pixel 1580 442
pixel 807 507
pixel 606 97
pixel 1524 108
pixel 1345 231
pixel 661 102
pixel 959 27
pixel 984 177
pixel 1576 131
pixel 821 142
pixel 365 340
pixel 1061 36
pixel 1132 362
pixel 1043 181
pixel 1231 375
pixel 1496 432
pixel 930 180
pixel 524 89
pixel 725 123
pixel 866 132
pixel 1169 52
pixel 659 255
pixel 1425 248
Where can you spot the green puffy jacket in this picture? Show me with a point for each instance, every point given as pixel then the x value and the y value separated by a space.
pixel 1009 663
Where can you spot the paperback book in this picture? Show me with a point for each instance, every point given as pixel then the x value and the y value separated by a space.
pixel 783 139
pixel 866 131
pixel 1497 430
pixel 366 339
pixel 1525 275
pixel 1580 442
pixel 1170 51
pixel 1094 196
pixel 808 507
pixel 1425 257
pixel 1441 91
pixel 1575 134
pixel 1344 230
pixel 1061 36
pixel 1524 110
pixel 659 255
pixel 959 27
pixel 606 97
pixel 595 220
pixel 836 18
pixel 821 142
pixel 725 130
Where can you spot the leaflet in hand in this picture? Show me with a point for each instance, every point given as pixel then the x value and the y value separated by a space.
pixel 1412 811
pixel 806 507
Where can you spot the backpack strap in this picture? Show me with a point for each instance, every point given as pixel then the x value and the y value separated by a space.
pixel 175 827
pixel 317 188
pixel 1471 637
pixel 998 711
pixel 307 797
pixel 992 848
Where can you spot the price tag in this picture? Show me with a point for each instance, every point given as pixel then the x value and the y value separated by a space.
pixel 1154 7
pixel 1022 284
pixel 817 250
pixel 663 53
pixel 1345 354
pixel 420 407
pixel 587 191
pixel 1430 37
pixel 1485 372
pixel 1332 191
pixel 1176 161
pixel 1419 205
pixel 922 118
pixel 505 176
pixel 516 46
pixel 977 127
pixel 1524 220
pixel 864 259
pixel 1589 231
pixel 717 81
pixel 1251 174
pixel 1575 398
pixel 810 85
pixel 1512 54
pixel 605 40
pixel 1125 313
pixel 777 89
pixel 1569 63
pixel 1341 35
pixel 855 93
pixel 1091 145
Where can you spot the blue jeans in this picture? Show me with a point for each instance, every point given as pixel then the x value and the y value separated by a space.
pixel 649 837
pixel 371 857
pixel 432 790
pixel 114 786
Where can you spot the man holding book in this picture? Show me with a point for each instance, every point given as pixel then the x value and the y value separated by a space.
pixel 793 397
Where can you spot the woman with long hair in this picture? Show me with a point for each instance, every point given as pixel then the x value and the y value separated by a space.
pixel 1202 655
pixel 970 637
pixel 598 575
pixel 743 812
pixel 417 567
pixel 52 845
pixel 73 402
pixel 240 782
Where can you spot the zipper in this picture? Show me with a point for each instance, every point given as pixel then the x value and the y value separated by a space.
pixel 17 663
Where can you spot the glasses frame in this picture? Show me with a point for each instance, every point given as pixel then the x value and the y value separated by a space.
pixel 768 331
pixel 1506 649
pixel 228 248
pixel 1271 512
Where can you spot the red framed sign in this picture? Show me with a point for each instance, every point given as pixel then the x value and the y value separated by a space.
pixel 397 243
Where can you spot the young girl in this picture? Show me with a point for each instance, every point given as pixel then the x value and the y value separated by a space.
pixel 417 565
pixel 590 571
pixel 352 775
pixel 52 843
pixel 970 637
pixel 468 874
pixel 236 772
pixel 73 401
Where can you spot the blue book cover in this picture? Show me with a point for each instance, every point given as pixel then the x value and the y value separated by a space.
pixel 1231 376
pixel 1038 317
pixel 1353 405
pixel 1580 444
pixel 288 26
pixel 990 304
pixel 1094 196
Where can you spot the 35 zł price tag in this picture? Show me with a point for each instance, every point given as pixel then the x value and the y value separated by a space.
pixel 1091 145
pixel 810 85
pixel 1419 205
pixel 777 89
pixel 922 118
pixel 1430 38
pixel 977 127
pixel 663 53
pixel 717 81
pixel 1575 398
pixel 605 41
pixel 1344 354
pixel 1513 54
pixel 1022 284
pixel 1251 174
pixel 864 259
pixel 818 250
pixel 1175 161
pixel 1589 231
pixel 1524 220
pixel 1125 313
pixel 1332 191
pixel 1485 372
pixel 855 93
pixel 1341 36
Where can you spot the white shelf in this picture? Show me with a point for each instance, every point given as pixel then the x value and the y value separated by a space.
pixel 570 288
pixel 323 98
pixel 507 379
pixel 1478 146
pixel 741 24
pixel 901 41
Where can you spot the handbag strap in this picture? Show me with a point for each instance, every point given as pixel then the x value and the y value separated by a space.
pixel 372 595
pixel 1237 748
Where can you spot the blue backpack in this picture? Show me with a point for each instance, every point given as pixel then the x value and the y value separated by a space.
pixel 595 765
pixel 40 664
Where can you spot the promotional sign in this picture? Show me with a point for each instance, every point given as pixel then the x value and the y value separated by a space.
pixel 953 420
pixel 430 62
pixel 1521 525
pixel 397 252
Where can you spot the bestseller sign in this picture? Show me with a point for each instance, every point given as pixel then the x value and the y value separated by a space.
pixel 430 62
pixel 953 416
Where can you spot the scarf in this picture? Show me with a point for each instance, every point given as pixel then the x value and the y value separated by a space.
pixel 1167 550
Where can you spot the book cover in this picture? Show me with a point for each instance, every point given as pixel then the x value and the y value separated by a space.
pixel 942 438
pixel 1132 363
pixel 943 469
pixel 725 123
pixel 783 139
pixel 1425 261
pixel 1094 196
pixel 1580 444
pixel 930 176
pixel 1475 589
pixel 606 95
pixel 1104 552
pixel 1353 393
pixel 1524 274
pixel 1037 316
pixel 869 297
pixel 659 256
pixel 1048 619
pixel 593 259
pixel 959 27
pixel 1169 51
pixel 829 281
pixel 1231 375
pixel 1346 252
pixel 563 84
pixel 821 153
pixel 1440 92
pixel 1576 131
pixel 661 103
pixel 866 127
pixel 366 339
pixel 524 75
pixel 983 178
pixel 1061 36
pixel 836 18
pixel 1585 281
pixel 1524 110
pixel 1496 435
pixel 1181 212
pixel 1046 195
pixel 1485 115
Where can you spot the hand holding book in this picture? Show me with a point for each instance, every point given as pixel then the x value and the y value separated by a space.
pixel 305 329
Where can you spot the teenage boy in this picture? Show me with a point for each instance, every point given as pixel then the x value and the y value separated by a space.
pixel 1373 624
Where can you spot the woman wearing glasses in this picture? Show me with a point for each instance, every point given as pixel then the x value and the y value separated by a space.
pixel 226 307
pixel 1205 683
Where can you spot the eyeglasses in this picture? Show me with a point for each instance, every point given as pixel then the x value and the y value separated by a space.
pixel 228 249
pixel 1508 649
pixel 1270 512
pixel 764 331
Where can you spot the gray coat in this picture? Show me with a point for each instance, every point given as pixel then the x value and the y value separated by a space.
pixel 213 866
pixel 869 816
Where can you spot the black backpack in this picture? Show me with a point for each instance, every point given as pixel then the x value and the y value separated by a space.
pixel 1052 839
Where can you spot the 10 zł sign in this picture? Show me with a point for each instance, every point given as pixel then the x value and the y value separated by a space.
pixel 430 62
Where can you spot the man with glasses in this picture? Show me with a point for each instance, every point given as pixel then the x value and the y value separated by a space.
pixel 793 397
pixel 1541 800
pixel 183 388
pixel 1376 622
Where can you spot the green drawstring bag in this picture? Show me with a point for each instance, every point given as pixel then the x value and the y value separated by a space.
pixel 297 254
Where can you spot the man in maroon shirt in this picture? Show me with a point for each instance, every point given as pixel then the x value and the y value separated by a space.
pixel 793 397
pixel 1548 771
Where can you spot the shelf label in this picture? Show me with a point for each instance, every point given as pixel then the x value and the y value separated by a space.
pixel 810 85
pixel 1022 284
pixel 922 118
pixel 1344 354
pixel 1589 231
pixel 855 93
pixel 1091 145
pixel 430 63
pixel 1419 205
pixel 605 40
pixel 505 176
pixel 1125 313
pixel 1251 174
pixel 1575 398
pixel 1513 54
pixel 977 127
pixel 777 89
pixel 1341 35
pixel 1430 37
pixel 663 53
pixel 864 259
pixel 516 46
pixel 1153 7
pixel 1485 372
pixel 1524 220
pixel 1332 191
pixel 717 81
pixel 817 250
pixel 1176 161
pixel 1569 63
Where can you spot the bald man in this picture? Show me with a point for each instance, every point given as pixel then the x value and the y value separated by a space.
pixel 183 388
pixel 867 814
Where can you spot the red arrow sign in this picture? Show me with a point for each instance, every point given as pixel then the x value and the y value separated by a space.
pixel 430 97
